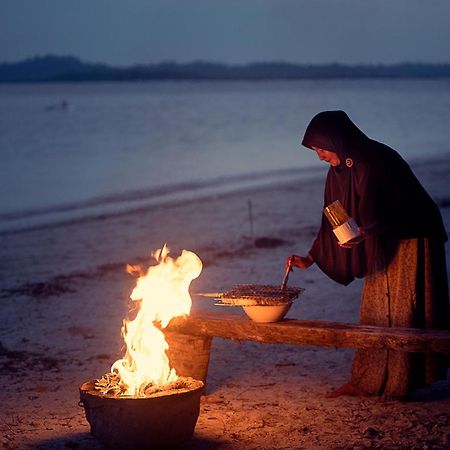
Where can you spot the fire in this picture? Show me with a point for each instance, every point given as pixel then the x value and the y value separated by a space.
pixel 160 294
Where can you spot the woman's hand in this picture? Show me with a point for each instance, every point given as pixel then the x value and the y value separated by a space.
pixel 358 239
pixel 302 262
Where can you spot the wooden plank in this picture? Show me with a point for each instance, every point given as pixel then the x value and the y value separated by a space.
pixel 314 333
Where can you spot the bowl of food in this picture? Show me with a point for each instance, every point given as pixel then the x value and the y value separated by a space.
pixel 267 313
pixel 262 303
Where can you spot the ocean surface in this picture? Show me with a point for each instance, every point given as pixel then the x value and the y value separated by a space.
pixel 70 151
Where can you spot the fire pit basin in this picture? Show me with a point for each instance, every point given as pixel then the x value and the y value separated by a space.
pixel 163 420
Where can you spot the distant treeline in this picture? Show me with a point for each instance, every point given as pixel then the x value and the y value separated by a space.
pixel 68 68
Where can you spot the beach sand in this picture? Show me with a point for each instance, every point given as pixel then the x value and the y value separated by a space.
pixel 64 292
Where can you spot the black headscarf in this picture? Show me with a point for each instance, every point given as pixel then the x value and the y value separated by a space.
pixel 376 187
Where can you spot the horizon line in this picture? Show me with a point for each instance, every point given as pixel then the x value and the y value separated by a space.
pixel 216 62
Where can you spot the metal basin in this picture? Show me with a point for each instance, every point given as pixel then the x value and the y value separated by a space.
pixel 162 421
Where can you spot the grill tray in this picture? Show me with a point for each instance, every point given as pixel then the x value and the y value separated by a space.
pixel 258 295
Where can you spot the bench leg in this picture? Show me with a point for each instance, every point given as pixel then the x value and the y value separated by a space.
pixel 189 354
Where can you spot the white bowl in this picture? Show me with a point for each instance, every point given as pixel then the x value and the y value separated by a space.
pixel 267 314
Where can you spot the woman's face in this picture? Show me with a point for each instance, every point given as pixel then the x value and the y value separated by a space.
pixel 325 155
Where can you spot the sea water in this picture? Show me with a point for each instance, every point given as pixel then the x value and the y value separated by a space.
pixel 71 150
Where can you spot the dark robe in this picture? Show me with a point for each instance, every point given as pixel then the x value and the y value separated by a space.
pixel 377 188
pixel 402 259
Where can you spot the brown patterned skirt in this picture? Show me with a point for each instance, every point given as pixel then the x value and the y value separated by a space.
pixel 409 290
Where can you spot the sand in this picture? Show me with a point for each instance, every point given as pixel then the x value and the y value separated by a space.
pixel 64 292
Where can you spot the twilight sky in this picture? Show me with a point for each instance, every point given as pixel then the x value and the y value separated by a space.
pixel 124 32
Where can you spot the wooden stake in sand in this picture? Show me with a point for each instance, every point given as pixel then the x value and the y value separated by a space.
pixel 250 217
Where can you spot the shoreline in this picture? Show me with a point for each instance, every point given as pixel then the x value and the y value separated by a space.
pixel 167 196
pixel 137 201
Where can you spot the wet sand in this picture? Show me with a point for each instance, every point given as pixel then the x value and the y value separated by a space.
pixel 64 292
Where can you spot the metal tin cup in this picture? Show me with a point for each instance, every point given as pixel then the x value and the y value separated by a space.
pixel 345 227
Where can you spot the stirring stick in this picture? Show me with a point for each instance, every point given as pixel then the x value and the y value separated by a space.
pixel 285 279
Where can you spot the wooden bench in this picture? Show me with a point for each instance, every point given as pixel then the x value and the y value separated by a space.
pixel 190 338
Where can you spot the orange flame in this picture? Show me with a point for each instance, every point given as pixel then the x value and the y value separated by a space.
pixel 162 293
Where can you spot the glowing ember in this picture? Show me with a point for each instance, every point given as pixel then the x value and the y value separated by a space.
pixel 160 294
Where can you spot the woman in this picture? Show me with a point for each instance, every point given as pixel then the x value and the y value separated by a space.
pixel 400 252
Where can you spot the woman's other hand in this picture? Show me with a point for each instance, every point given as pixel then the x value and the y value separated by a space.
pixel 302 262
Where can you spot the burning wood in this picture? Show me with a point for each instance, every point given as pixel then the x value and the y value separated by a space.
pixel 111 385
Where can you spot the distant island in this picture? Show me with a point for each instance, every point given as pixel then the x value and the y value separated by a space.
pixel 52 68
